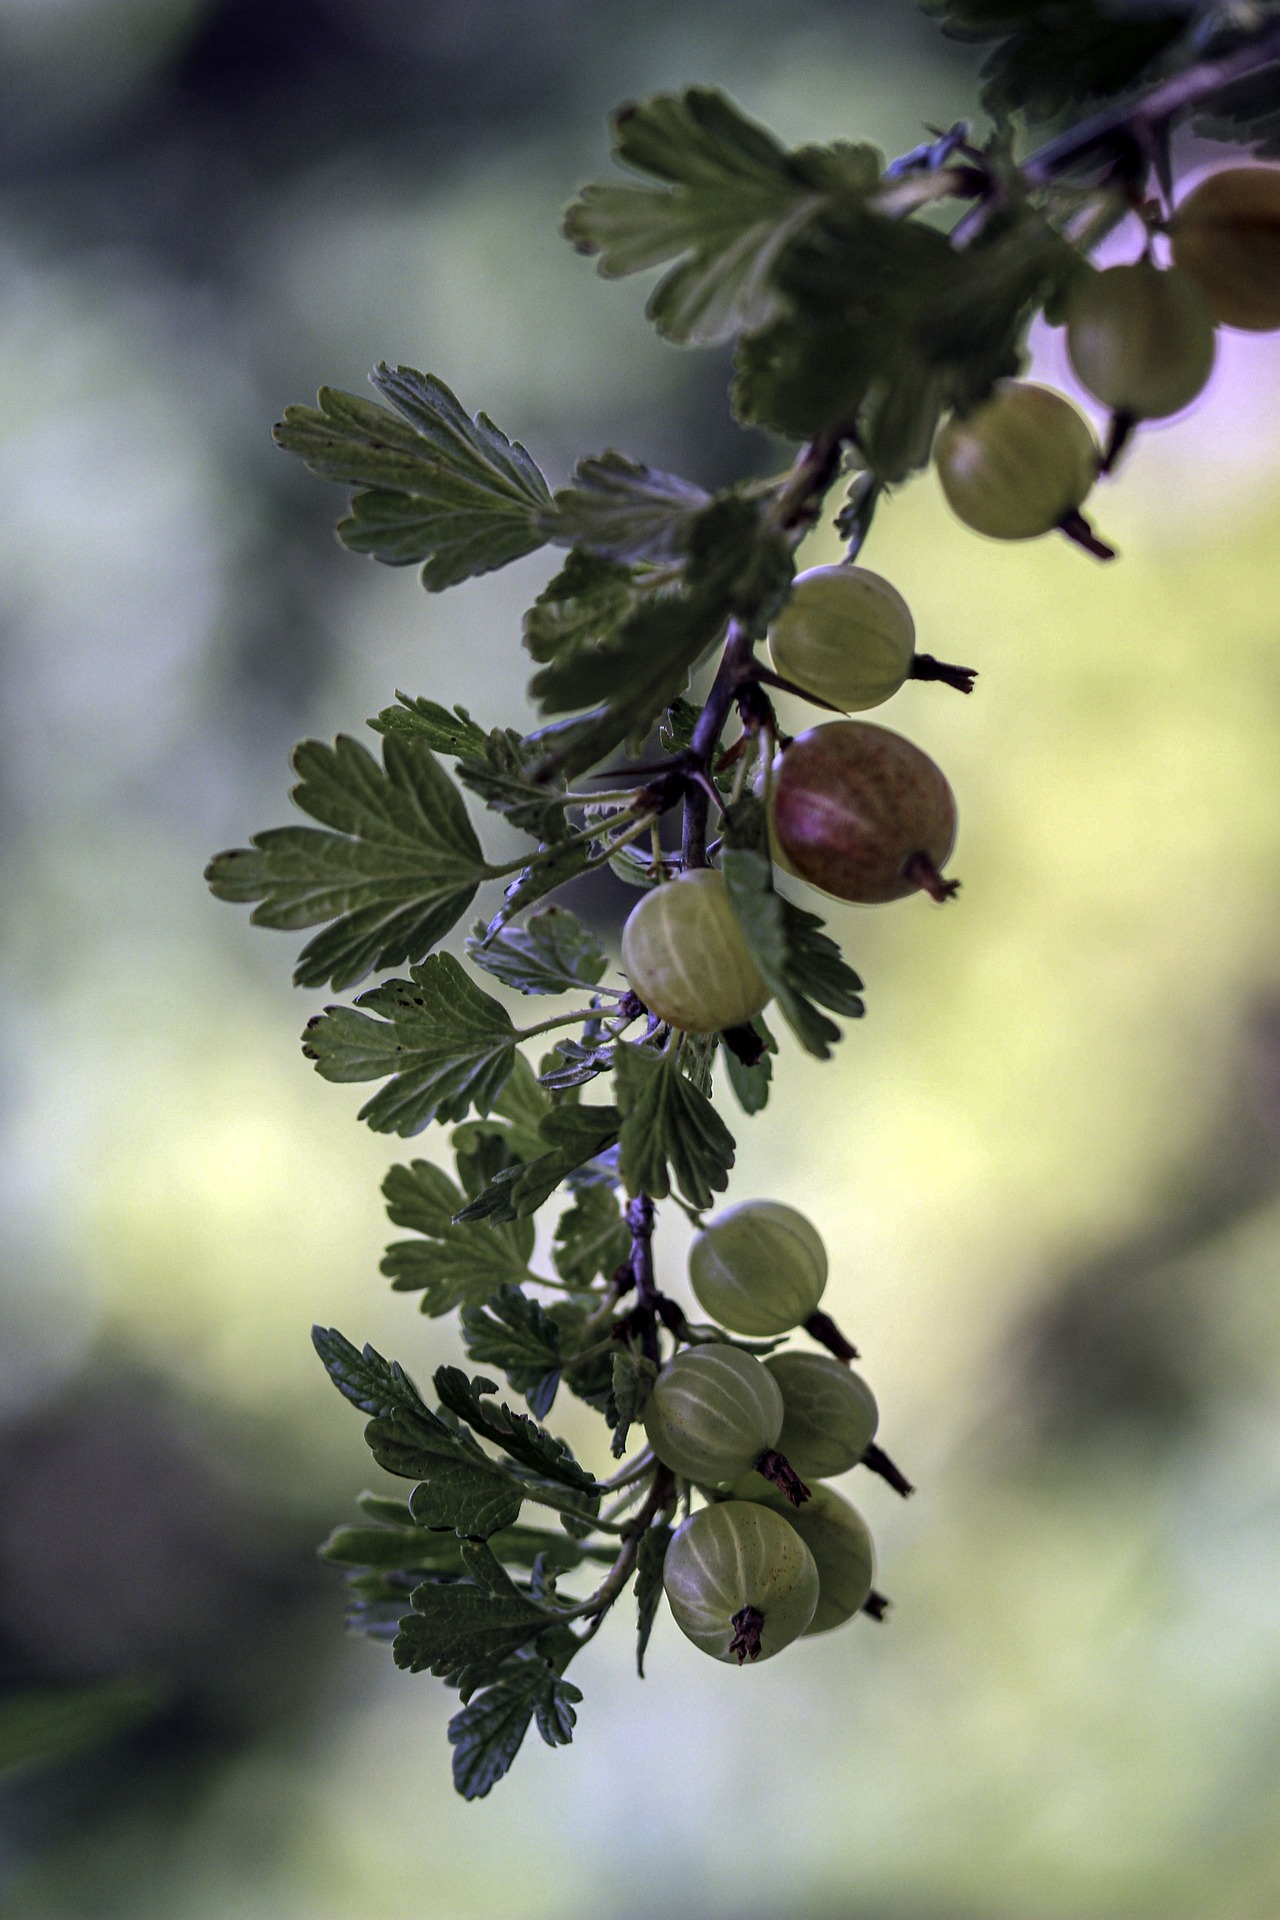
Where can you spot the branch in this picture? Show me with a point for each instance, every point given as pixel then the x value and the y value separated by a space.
pixel 1142 119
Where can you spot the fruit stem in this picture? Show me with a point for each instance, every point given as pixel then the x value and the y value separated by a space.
pixel 1077 528
pixel 876 1605
pixel 747 1623
pixel 1118 436
pixel 925 667
pixel 734 663
pixel 922 873
pixel 822 1328
pixel 879 1462
pixel 776 1467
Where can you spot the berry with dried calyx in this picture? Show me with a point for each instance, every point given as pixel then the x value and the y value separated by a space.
pixel 740 1581
pixel 1020 464
pixel 759 1268
pixel 1140 340
pixel 684 954
pixel 1226 235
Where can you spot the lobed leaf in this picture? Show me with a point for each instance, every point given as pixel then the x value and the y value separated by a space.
pixel 435 484
pixel 443 1045
pixel 632 1378
pixel 528 1444
pixel 487 1735
pixel 591 1238
pixel 515 1333
pixel 450 1265
pixel 396 867
pixel 552 953
pixel 670 1131
pixel 729 200
pixel 574 1135
pixel 465 1631
pixel 1048 58
pixel 621 510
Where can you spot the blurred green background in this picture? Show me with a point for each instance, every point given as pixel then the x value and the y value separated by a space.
pixel 1047 1164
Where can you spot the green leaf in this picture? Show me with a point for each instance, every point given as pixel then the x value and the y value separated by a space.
pixel 649 1564
pixel 552 953
pixel 449 1265
pixel 442 730
pixel 886 325
pixel 486 1736
pixel 591 1238
pixel 1048 57
pixel 627 679
pixel 621 510
pixel 751 1084
pixel 548 869
pixel 669 1129
pixel 515 1333
pixel 436 485
pixel 574 1135
pixel 400 868
pixel 729 201
pixel 446 1046
pixel 376 1386
pixel 508 780
pixel 633 1378
pixel 413 1549
pixel 586 601
pixel 529 1444
pixel 462 1488
pixel 465 1631
pixel 41 1726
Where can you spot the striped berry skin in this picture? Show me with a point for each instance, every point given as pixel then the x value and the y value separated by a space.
pixel 735 1559
pixel 759 1268
pixel 1018 465
pixel 829 1413
pixel 846 636
pixel 838 1538
pixel 857 809
pixel 684 954
pixel 713 1411
pixel 1226 235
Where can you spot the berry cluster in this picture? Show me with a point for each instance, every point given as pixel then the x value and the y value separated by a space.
pixel 748 1574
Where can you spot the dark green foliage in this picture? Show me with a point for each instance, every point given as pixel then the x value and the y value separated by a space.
pixel 435 485
pixel 447 1046
pixel 514 1333
pixel 652 1558
pixel 449 1265
pixel 399 866
pixel 618 509
pixel 632 1377
pixel 801 963
pixel 591 1238
pixel 670 1131
pixel 465 1631
pixel 1049 55
pixel 573 1135
pixel 414 1549
pixel 552 953
pixel 486 1736
pixel 531 1446
pixel 751 1083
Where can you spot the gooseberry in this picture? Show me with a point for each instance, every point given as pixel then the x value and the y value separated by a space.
pixel 713 1412
pixel 838 1538
pixel 759 1268
pixel 684 954
pixel 863 814
pixel 1018 465
pixel 1226 235
pixel 846 636
pixel 829 1413
pixel 741 1582
pixel 1140 340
